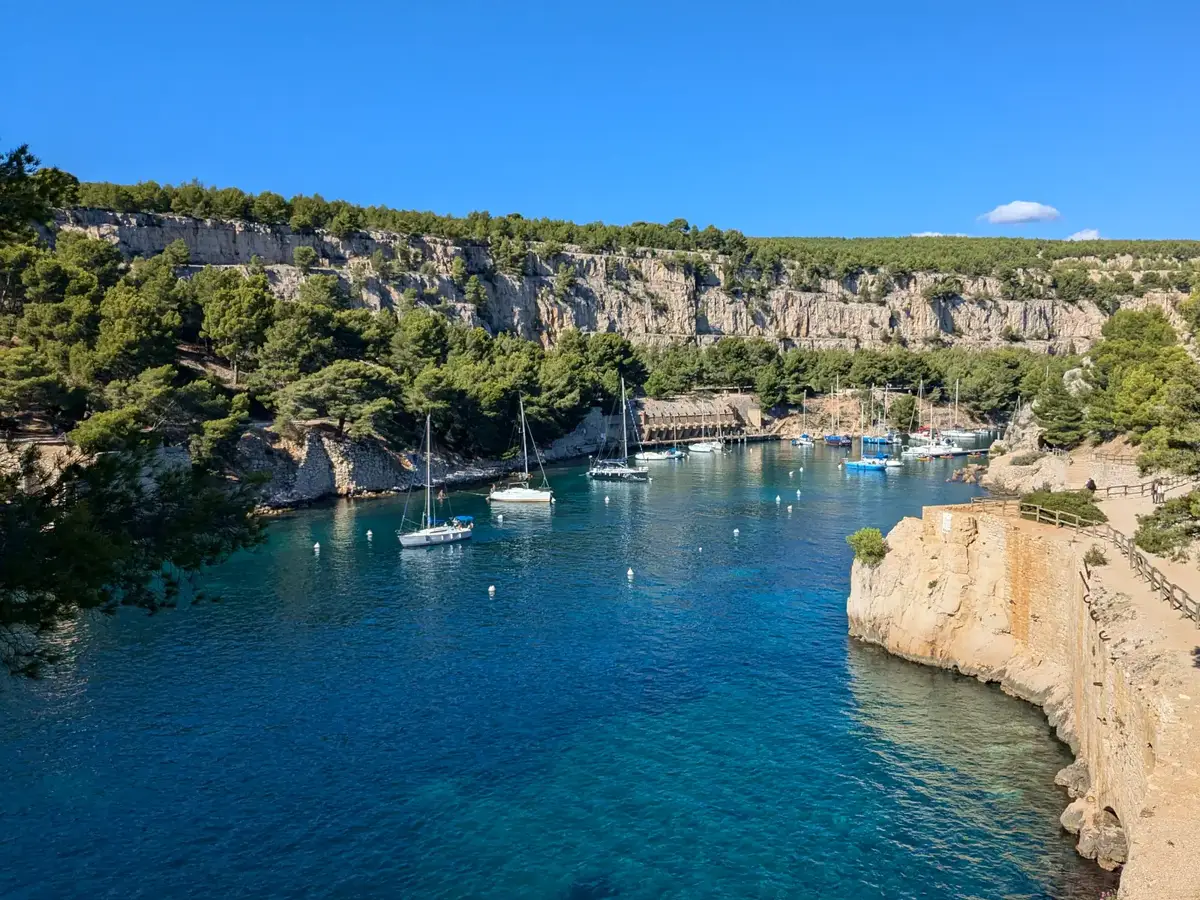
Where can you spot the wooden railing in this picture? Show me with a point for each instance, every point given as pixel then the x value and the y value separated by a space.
pixel 1154 488
pixel 1142 567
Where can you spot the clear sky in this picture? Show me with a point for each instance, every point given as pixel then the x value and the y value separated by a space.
pixel 789 118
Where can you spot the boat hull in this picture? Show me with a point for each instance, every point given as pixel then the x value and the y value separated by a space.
pixel 626 473
pixel 521 495
pixel 657 455
pixel 434 537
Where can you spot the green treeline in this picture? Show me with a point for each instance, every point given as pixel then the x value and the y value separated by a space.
pixel 989 381
pixel 94 347
pixel 810 258
pixel 90 343
pixel 1138 381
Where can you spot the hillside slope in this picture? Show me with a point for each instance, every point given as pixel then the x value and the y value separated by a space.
pixel 650 296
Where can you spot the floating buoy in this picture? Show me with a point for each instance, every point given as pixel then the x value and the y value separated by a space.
pixel 491 590
pixel 370 535
pixel 790 474
pixel 699 549
pixel 789 509
pixel 802 469
pixel 778 499
pixel 500 518
pixel 797 492
pixel 606 498
pixel 736 532
pixel 629 573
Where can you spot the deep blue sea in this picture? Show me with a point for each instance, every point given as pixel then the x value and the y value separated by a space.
pixel 369 723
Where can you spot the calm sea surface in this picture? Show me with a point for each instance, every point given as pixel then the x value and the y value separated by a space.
pixel 369 723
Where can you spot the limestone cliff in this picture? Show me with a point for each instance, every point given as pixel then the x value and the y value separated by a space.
pixel 647 295
pixel 1003 599
pixel 320 465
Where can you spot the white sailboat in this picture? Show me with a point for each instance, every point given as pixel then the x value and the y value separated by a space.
pixel 958 432
pixel 519 490
pixel 432 534
pixel 804 440
pixel 670 454
pixel 703 446
pixel 618 469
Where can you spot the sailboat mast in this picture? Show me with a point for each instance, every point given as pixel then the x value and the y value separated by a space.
pixel 956 425
pixel 837 399
pixel 524 452
pixel 624 424
pixel 428 478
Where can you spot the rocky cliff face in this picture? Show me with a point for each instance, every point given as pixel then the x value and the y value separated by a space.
pixel 1003 600
pixel 320 465
pixel 647 296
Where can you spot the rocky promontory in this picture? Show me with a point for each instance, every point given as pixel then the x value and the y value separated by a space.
pixel 1010 601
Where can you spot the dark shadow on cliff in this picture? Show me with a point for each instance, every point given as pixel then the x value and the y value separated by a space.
pixel 1196 657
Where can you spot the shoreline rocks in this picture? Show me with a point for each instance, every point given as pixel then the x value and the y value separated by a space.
pixel 321 466
pixel 1002 600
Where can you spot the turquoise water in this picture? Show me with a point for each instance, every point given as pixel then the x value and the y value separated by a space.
pixel 370 723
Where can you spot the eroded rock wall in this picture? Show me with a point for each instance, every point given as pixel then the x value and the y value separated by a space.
pixel 320 465
pixel 1002 599
pixel 645 296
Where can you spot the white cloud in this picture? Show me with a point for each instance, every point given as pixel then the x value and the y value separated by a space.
pixel 1088 234
pixel 1021 211
pixel 935 234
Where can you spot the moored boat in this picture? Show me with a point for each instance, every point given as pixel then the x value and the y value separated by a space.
pixel 433 533
pixel 520 490
pixel 618 468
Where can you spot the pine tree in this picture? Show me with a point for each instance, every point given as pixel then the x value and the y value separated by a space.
pixel 1061 414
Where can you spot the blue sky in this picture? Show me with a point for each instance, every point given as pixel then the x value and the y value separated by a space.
pixel 848 118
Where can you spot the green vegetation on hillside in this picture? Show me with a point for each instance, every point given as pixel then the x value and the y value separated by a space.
pixel 990 381
pixel 1138 381
pixel 765 259
pixel 1172 528
pixel 125 528
pixel 1074 503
